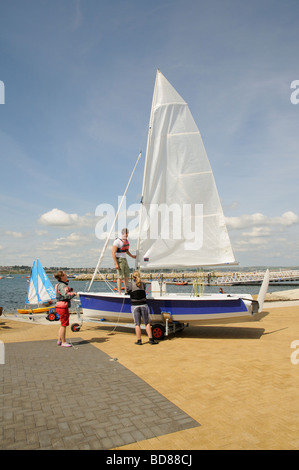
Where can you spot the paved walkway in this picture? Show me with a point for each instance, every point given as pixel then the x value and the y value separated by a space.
pixel 210 387
pixel 57 398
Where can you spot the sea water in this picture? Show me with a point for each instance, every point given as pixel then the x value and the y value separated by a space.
pixel 13 291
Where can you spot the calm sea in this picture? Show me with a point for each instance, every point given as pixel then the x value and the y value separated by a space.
pixel 13 292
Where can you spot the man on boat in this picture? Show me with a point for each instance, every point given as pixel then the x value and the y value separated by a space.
pixel 120 249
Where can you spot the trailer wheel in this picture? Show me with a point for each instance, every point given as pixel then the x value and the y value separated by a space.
pixel 158 331
pixel 51 316
pixel 75 327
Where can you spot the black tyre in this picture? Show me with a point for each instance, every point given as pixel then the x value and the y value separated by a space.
pixel 158 332
pixel 75 327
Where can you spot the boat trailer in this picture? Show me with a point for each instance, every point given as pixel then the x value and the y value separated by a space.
pixel 159 329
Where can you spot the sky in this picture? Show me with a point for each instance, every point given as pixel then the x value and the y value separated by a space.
pixel 76 85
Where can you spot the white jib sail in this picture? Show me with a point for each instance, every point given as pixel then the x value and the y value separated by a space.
pixel 182 222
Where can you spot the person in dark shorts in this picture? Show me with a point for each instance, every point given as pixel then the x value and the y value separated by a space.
pixel 139 307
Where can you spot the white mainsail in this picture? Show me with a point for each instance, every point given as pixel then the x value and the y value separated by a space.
pixel 181 222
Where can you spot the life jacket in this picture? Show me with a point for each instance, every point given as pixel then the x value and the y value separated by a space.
pixel 137 294
pixel 61 300
pixel 124 248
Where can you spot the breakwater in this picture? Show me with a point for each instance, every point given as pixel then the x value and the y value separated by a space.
pixel 213 278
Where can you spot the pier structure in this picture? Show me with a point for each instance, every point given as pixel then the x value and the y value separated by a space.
pixel 282 277
pixel 213 278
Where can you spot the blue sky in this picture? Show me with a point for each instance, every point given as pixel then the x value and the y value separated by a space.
pixel 79 78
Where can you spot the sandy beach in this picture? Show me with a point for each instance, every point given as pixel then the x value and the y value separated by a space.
pixel 240 382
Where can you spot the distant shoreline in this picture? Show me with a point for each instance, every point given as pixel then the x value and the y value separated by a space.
pixel 26 270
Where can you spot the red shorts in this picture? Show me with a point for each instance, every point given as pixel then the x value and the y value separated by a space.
pixel 64 315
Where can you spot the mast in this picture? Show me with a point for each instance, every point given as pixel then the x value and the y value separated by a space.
pixel 145 166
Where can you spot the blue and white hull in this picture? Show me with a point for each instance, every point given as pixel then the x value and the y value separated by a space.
pixel 179 308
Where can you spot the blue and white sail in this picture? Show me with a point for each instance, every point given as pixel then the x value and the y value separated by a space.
pixel 40 289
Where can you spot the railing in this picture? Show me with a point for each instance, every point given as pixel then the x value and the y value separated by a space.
pixel 256 277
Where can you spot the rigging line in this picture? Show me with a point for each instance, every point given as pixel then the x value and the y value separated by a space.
pixel 113 224
pixel 108 284
pixel 116 325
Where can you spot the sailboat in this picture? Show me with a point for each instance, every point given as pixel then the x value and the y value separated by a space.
pixel 40 292
pixel 181 224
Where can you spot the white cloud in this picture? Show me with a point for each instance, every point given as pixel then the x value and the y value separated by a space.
pixel 63 246
pixel 14 234
pixel 246 221
pixel 41 233
pixel 73 239
pixel 57 217
pixel 257 232
pixel 288 218
pixel 259 237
